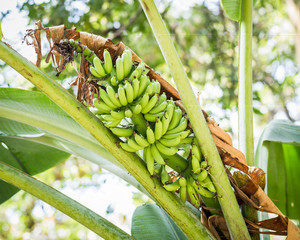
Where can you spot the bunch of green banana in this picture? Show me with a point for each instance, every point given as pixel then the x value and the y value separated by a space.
pixel 134 109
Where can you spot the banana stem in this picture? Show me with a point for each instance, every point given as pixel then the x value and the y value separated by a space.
pixel 245 96
pixel 176 162
pixel 178 211
pixel 70 207
pixel 228 202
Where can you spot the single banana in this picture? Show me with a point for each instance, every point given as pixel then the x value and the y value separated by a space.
pixel 127 62
pixel 149 160
pixel 159 108
pixel 134 145
pixel 122 132
pixel 126 147
pixel 144 82
pixel 107 62
pixel 113 123
pixel 101 106
pixel 180 135
pixel 153 117
pixel 157 156
pixel 141 68
pixel 106 99
pixel 200 176
pixel 193 195
pixel 207 183
pixel 128 113
pixel 129 92
pixel 98 66
pixel 122 96
pixel 187 140
pixel 170 110
pixel 169 151
pixel 134 75
pixel 156 87
pixel 158 129
pixel 162 98
pixel 150 135
pixel 195 164
pixel 177 115
pixel 150 104
pixel 170 142
pixel 140 140
pixel 150 89
pixel 95 73
pixel 145 99
pixel 196 151
pixel 135 86
pixel 114 82
pixel 96 111
pixel 202 191
pixel 118 114
pixel 112 96
pixel 109 118
pixel 165 123
pixel 172 187
pixel 164 176
pixel 137 109
pixel 181 126
pixel 183 189
pixel 119 69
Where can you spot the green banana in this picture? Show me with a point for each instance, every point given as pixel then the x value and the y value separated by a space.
pixel 157 156
pixel 177 115
pixel 98 66
pixel 172 187
pixel 128 113
pixel 149 160
pixel 158 129
pixel 135 86
pixel 153 117
pixel 113 123
pixel 170 110
pixel 207 183
pixel 181 126
pixel 134 145
pixel 170 142
pixel 150 89
pixel 193 195
pixel 200 176
pixel 126 147
pixel 119 69
pixel 164 176
pixel 183 189
pixel 169 151
pixel 137 109
pixel 156 87
pixel 127 62
pixel 144 82
pixel 109 118
pixel 122 96
pixel 165 123
pixel 101 106
pixel 187 140
pixel 195 164
pixel 107 62
pixel 162 98
pixel 150 135
pixel 140 68
pixel 202 191
pixel 129 92
pixel 114 82
pixel 122 132
pixel 140 140
pixel 145 99
pixel 118 114
pixel 204 164
pixel 106 99
pixel 112 96
pixel 134 75
pixel 150 104
pixel 159 108
pixel 196 151
pixel 95 73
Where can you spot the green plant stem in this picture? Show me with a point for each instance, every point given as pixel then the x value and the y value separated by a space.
pixel 70 207
pixel 228 202
pixel 140 123
pixel 178 211
pixel 246 144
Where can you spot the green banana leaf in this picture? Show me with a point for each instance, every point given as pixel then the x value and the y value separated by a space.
pixel 32 116
pixel 278 154
pixel 26 156
pixel 150 222
pixel 233 9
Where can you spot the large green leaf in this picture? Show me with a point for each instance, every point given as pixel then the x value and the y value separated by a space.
pixel 32 116
pixel 232 8
pixel 151 222
pixel 27 156
pixel 278 154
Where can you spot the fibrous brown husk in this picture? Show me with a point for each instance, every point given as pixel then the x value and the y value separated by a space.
pixel 248 183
